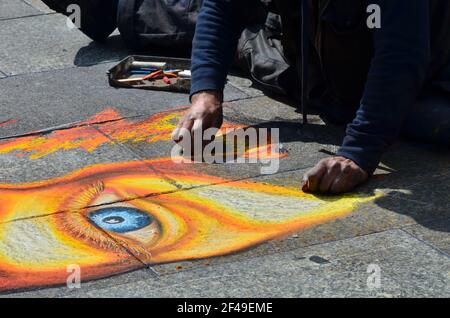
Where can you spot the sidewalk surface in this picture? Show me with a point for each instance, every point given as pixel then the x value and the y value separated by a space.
pixel 68 140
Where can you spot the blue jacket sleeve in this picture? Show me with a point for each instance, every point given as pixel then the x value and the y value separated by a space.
pixel 219 26
pixel 396 76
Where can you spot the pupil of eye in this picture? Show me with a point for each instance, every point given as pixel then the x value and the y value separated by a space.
pixel 120 219
pixel 113 220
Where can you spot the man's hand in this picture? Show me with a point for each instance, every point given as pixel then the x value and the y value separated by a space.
pixel 205 112
pixel 334 175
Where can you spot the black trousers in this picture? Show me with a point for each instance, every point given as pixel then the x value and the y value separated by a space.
pixel 98 17
pixel 429 119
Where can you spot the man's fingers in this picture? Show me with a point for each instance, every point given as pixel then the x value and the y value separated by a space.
pixel 186 124
pixel 340 185
pixel 176 135
pixel 334 175
pixel 347 180
pixel 329 177
pixel 311 179
pixel 359 176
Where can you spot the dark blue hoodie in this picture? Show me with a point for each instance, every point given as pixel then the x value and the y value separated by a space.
pixel 409 50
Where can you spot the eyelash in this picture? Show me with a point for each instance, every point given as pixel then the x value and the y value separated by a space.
pixel 77 224
pixel 83 199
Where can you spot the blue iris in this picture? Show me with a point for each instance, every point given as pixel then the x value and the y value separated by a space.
pixel 120 219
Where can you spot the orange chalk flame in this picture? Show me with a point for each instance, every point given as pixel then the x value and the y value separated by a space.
pixel 108 127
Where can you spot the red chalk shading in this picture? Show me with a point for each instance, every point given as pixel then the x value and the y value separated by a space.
pixel 7 122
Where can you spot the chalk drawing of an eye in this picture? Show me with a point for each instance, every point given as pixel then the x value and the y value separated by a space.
pixel 113 214
pixel 120 219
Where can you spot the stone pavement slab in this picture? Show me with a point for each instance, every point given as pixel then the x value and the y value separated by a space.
pixel 336 269
pixel 38 4
pixel 63 291
pixel 245 85
pixel 417 159
pixel 342 268
pixel 435 192
pixel 417 267
pixel 384 212
pixel 262 109
pixel 10 9
pixel 267 112
pixel 45 43
pixel 436 233
pixel 297 142
pixel 398 255
pixel 49 99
